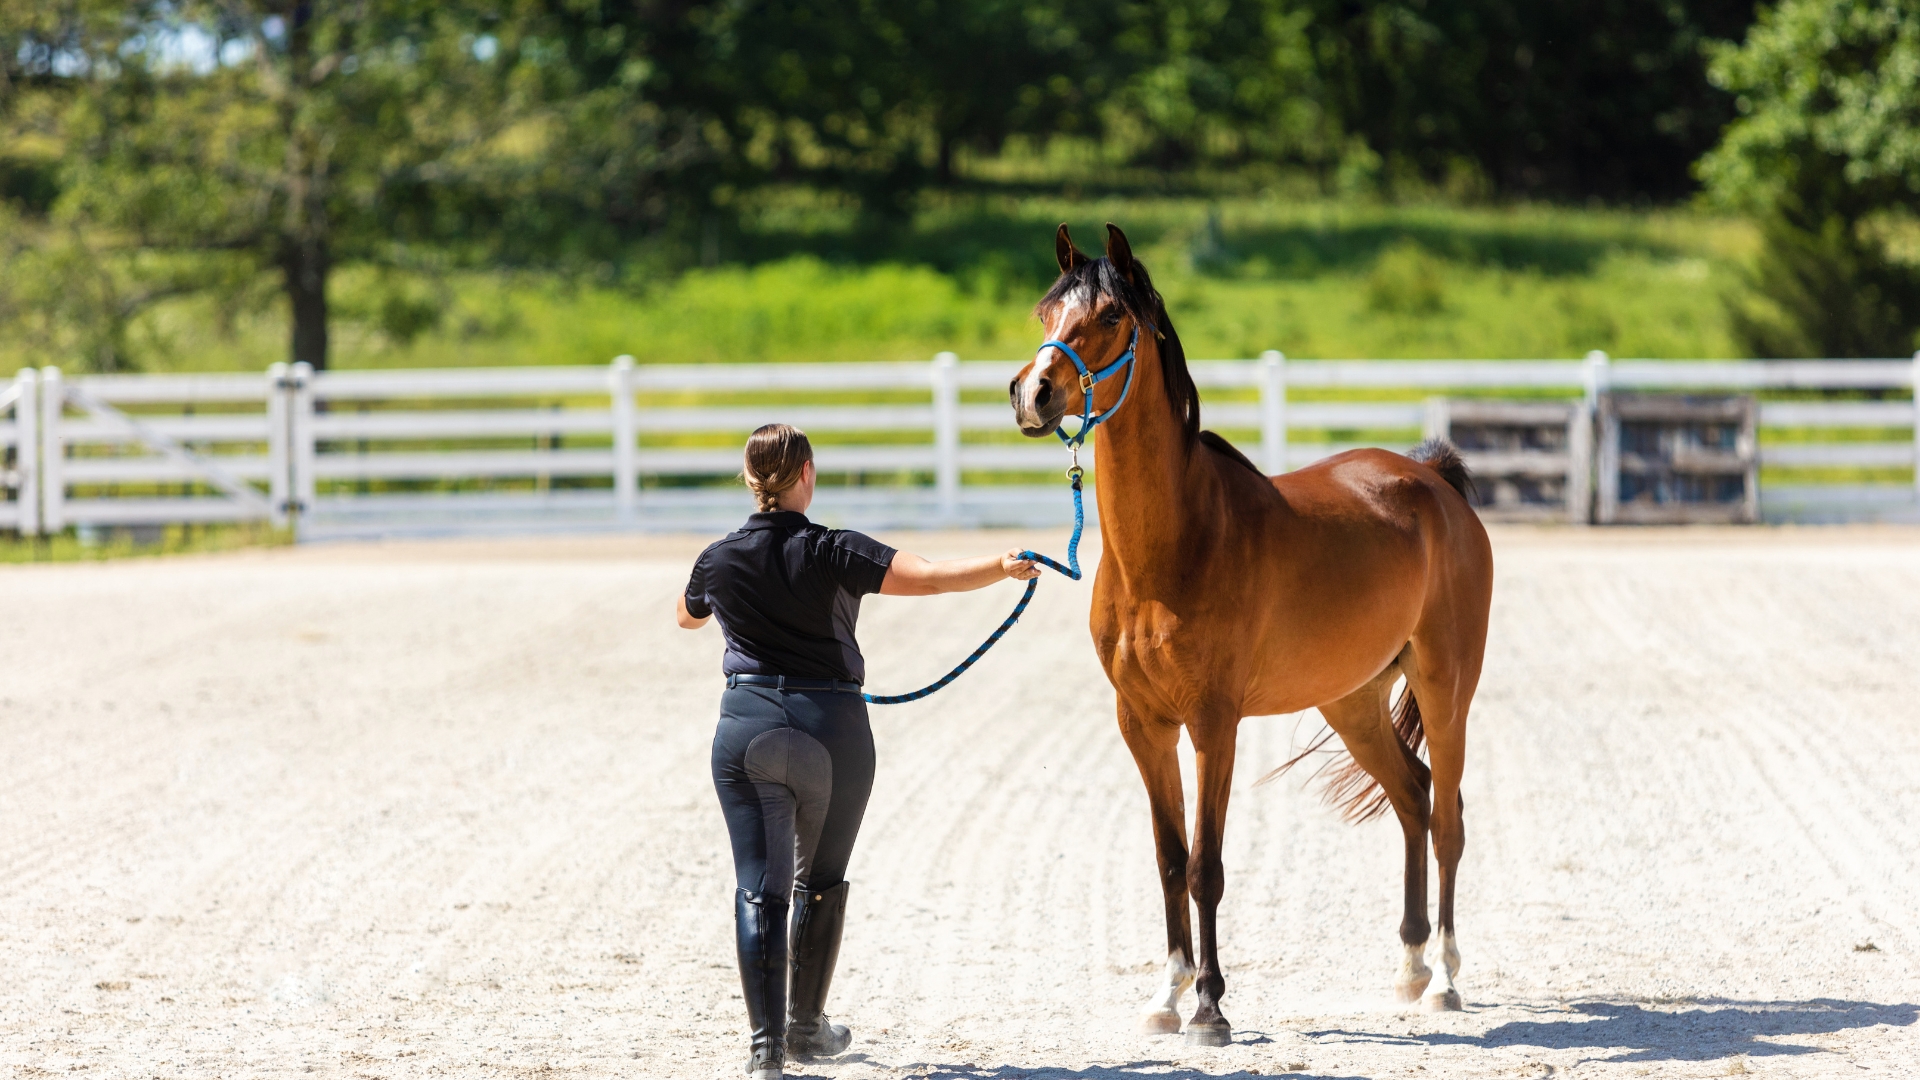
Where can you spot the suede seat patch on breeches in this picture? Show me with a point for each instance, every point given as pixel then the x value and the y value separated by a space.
pixel 793 775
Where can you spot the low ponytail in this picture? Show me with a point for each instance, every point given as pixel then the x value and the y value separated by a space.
pixel 776 456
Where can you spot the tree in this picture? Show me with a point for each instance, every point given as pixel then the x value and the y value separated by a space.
pixel 224 141
pixel 1826 152
pixel 1607 98
pixel 873 97
pixel 1206 82
pixel 287 140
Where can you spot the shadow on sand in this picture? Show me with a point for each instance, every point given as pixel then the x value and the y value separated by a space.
pixel 1710 1028
pixel 1703 1030
pixel 1146 1069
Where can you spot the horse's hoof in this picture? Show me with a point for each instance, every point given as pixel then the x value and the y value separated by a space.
pixel 1446 1001
pixel 1218 1033
pixel 1160 1022
pixel 1409 992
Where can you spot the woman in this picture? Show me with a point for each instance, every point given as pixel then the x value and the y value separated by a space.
pixel 793 756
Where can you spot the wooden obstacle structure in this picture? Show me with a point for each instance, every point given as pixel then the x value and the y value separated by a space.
pixel 1531 460
pixel 1677 459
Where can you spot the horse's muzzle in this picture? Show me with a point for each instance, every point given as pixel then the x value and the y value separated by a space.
pixel 1038 413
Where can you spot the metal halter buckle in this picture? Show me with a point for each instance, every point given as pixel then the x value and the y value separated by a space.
pixel 1086 382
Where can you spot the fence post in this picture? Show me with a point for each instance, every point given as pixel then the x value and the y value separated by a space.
pixel 1916 426
pixel 1580 466
pixel 26 453
pixel 300 444
pixel 946 434
pixel 53 452
pixel 626 463
pixel 1599 380
pixel 279 476
pixel 1273 410
pixel 1439 419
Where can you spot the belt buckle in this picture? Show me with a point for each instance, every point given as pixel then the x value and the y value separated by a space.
pixel 779 682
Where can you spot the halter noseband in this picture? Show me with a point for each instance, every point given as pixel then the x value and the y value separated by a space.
pixel 1090 379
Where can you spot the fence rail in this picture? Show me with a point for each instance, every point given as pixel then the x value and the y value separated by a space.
pixel 622 446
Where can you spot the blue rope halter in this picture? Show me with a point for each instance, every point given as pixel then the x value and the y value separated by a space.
pixel 1089 380
pixel 1075 474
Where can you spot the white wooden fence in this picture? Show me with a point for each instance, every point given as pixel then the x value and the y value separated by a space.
pixel 624 446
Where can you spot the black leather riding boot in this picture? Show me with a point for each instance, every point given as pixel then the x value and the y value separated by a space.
pixel 760 931
pixel 818 917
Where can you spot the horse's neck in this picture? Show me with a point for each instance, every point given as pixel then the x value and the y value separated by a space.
pixel 1145 476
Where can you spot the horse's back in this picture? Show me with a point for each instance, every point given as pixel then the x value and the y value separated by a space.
pixel 1372 491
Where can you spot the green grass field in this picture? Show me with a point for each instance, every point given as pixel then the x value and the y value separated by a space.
pixel 800 280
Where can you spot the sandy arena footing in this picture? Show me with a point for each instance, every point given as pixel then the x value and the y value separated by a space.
pixel 443 809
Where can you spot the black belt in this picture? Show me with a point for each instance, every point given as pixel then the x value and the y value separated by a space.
pixel 781 682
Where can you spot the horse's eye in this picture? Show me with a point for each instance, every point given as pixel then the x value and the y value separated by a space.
pixel 1111 317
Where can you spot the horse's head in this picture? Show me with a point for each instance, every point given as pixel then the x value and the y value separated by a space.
pixel 1095 308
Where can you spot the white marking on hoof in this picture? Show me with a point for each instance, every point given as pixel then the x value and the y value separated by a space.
pixel 1445 997
pixel 1161 1015
pixel 1160 1023
pixel 1414 974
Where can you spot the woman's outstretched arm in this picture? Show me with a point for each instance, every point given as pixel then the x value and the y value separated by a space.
pixel 911 575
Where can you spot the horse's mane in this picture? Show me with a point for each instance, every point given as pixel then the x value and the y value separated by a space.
pixel 1098 278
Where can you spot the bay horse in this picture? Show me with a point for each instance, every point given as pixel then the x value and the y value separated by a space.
pixel 1224 593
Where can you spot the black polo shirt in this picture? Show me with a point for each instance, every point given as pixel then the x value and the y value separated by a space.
pixel 787 592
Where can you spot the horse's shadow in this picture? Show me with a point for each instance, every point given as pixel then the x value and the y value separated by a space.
pixel 1620 1031
pixel 1713 1028
pixel 1132 1070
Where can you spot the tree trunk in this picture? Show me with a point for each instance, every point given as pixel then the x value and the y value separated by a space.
pixel 306 265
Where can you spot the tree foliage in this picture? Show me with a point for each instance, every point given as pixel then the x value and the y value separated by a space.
pixel 1826 153
pixel 1606 98
pixel 210 144
pixel 248 148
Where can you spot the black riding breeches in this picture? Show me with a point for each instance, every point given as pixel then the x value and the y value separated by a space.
pixel 793 769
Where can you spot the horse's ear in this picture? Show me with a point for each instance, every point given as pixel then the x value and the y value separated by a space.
pixel 1119 252
pixel 1064 252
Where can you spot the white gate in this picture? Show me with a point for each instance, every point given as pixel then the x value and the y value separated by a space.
pixel 20 453
pixel 162 449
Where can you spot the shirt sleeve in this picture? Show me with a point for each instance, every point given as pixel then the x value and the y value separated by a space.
pixel 858 561
pixel 696 593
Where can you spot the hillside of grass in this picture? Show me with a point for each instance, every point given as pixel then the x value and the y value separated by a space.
pixel 801 280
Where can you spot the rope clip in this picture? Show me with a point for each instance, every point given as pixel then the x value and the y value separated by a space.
pixel 1074 471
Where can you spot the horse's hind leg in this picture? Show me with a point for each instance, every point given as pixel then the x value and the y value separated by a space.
pixel 1155 745
pixel 1447 744
pixel 1365 725
pixel 1442 675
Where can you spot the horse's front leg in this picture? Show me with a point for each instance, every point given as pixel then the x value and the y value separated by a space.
pixel 1213 743
pixel 1155 745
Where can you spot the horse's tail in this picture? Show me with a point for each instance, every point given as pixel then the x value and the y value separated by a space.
pixel 1440 455
pixel 1351 789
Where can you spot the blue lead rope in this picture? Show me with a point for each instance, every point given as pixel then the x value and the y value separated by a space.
pixel 1089 420
pixel 1071 570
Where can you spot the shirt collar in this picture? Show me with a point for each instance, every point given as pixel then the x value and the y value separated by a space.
pixel 776 519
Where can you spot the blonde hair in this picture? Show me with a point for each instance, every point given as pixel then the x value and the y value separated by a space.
pixel 776 455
